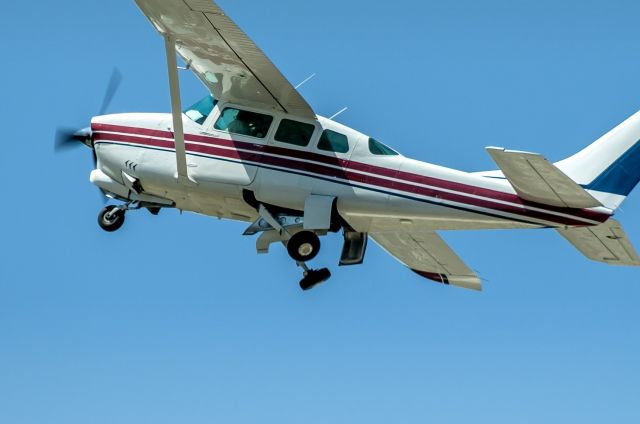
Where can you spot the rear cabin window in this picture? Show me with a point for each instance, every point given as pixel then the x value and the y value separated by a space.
pixel 243 122
pixel 377 148
pixel 332 141
pixel 294 132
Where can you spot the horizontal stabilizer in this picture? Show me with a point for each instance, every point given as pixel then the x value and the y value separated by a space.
pixel 603 243
pixel 426 254
pixel 536 179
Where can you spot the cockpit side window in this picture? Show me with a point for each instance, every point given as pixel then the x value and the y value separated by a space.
pixel 244 122
pixel 377 148
pixel 201 110
pixel 294 132
pixel 332 141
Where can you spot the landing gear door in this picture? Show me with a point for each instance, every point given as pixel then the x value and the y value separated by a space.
pixel 317 212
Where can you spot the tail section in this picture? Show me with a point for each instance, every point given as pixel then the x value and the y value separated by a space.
pixel 610 167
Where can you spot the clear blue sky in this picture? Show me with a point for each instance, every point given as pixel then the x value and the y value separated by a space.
pixel 176 319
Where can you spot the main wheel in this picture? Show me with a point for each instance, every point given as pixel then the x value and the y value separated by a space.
pixel 303 246
pixel 111 221
pixel 314 277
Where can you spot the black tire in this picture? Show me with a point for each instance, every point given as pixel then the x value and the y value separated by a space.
pixel 112 223
pixel 314 277
pixel 303 246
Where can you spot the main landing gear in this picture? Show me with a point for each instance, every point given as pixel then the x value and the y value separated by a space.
pixel 302 245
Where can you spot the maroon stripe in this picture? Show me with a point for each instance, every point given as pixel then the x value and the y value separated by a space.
pixel 362 167
pixel 134 139
pixel 343 174
pixel 438 278
pixel 254 155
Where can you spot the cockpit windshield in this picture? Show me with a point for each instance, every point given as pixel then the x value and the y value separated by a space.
pixel 199 111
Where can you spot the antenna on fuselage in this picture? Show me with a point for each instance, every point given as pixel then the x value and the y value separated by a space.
pixel 305 80
pixel 339 112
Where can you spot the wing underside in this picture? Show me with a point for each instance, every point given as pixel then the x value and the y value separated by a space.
pixel 429 256
pixel 606 243
pixel 222 56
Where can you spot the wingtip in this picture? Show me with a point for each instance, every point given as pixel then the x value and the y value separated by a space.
pixel 465 281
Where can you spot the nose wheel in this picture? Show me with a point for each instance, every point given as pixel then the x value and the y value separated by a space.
pixel 111 218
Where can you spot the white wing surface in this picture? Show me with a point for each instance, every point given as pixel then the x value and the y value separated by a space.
pixel 429 256
pixel 222 55
pixel 603 243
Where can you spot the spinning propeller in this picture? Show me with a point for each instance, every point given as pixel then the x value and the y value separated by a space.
pixel 67 138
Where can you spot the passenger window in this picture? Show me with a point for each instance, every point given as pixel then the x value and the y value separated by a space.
pixel 294 132
pixel 377 148
pixel 333 142
pixel 243 122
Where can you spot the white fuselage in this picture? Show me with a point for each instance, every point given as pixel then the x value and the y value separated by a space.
pixel 374 193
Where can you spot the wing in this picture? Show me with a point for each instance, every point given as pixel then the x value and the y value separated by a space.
pixel 603 243
pixel 222 56
pixel 429 256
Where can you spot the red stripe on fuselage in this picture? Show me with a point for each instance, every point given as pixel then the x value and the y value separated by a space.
pixel 257 152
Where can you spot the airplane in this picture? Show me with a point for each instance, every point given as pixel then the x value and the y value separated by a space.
pixel 253 150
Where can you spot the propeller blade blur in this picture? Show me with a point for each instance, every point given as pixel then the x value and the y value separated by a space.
pixel 66 139
pixel 112 88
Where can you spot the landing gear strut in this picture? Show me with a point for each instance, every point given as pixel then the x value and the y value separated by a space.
pixel 302 245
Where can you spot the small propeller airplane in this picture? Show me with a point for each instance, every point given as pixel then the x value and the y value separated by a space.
pixel 255 151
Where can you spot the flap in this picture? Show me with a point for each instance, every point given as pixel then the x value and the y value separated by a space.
pixel 429 256
pixel 536 179
pixel 606 242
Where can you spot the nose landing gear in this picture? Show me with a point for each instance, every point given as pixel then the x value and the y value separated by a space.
pixel 111 218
